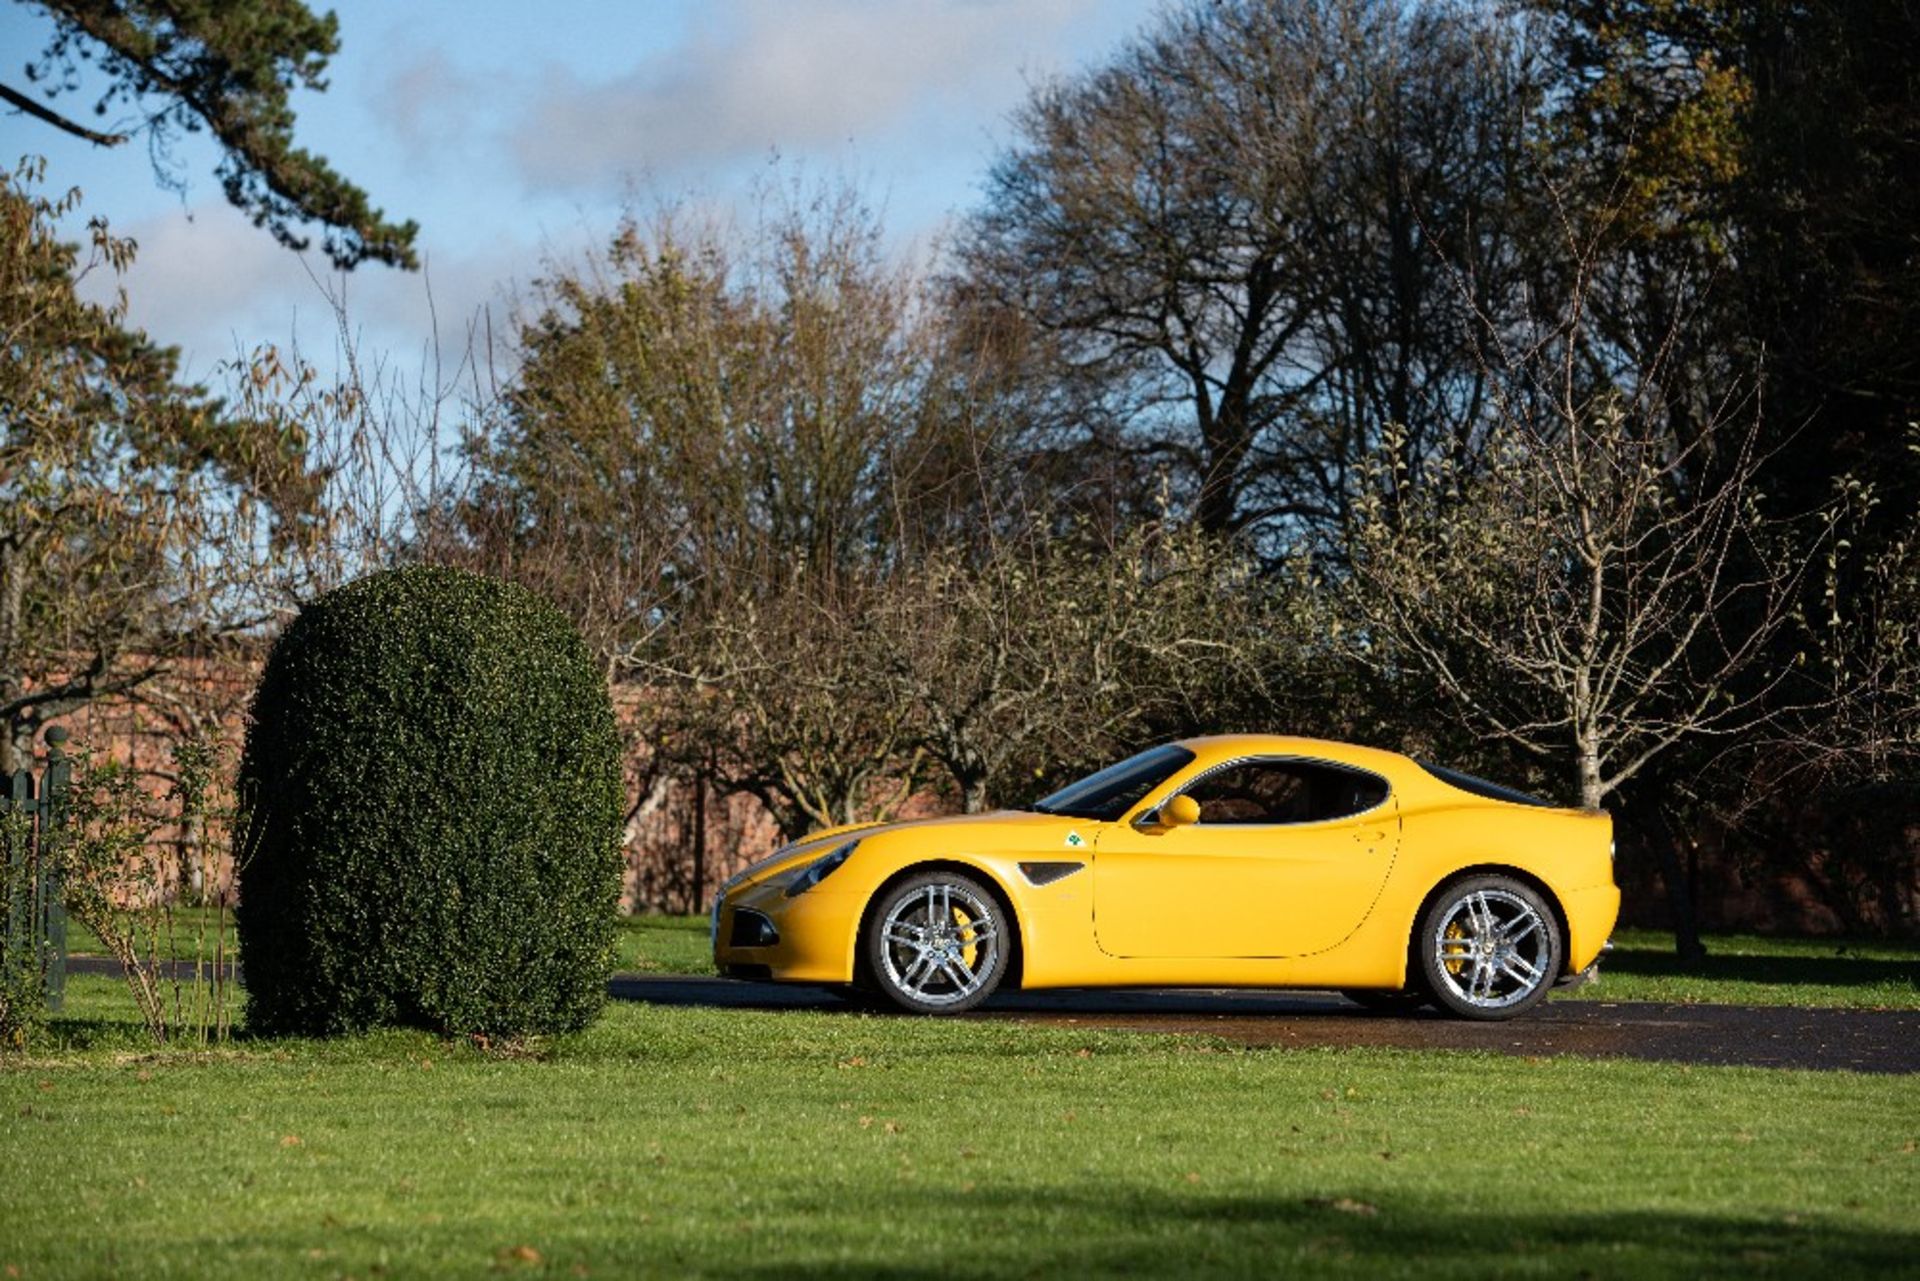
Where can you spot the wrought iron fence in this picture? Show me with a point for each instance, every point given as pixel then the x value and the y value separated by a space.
pixel 33 814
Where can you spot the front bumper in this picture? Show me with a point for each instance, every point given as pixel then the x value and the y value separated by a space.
pixel 812 936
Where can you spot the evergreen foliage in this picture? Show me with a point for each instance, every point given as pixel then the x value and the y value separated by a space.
pixel 433 805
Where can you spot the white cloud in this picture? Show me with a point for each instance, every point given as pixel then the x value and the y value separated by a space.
pixel 428 103
pixel 207 280
pixel 775 74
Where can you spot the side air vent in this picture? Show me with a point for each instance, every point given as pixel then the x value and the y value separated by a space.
pixel 1048 873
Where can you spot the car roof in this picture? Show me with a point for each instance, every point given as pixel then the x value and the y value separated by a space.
pixel 1412 783
pixel 1212 749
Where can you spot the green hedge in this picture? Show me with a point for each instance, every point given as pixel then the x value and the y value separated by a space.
pixel 432 802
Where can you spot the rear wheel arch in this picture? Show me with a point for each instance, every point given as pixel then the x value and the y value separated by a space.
pixel 1016 954
pixel 1526 878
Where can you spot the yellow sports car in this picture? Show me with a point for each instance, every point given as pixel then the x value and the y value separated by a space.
pixel 1234 861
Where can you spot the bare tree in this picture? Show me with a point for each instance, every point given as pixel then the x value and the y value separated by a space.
pixel 1592 590
pixel 779 697
pixel 1238 230
pixel 1046 654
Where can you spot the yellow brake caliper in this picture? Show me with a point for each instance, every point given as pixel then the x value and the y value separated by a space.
pixel 1455 964
pixel 963 931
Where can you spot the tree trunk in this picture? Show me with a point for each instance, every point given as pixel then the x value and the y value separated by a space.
pixel 699 895
pixel 12 682
pixel 1227 439
pixel 1676 872
pixel 973 795
pixel 1592 788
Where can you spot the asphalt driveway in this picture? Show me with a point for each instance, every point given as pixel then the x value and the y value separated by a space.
pixel 1774 1036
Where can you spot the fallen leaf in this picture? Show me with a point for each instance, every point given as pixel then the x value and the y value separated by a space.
pixel 518 1254
pixel 289 1140
pixel 894 1127
pixel 866 1123
pixel 1193 1176
pixel 1344 1204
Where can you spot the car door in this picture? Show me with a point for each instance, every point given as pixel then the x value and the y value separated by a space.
pixel 1287 859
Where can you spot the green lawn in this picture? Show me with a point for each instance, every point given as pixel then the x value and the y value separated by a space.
pixel 178 933
pixel 735 1143
pixel 664 945
pixel 1751 970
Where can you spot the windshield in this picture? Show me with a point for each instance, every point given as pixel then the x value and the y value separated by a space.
pixel 1116 789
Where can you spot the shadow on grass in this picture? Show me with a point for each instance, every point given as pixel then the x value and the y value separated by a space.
pixel 1825 971
pixel 1088 1233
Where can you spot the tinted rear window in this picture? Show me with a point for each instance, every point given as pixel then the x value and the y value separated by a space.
pixel 1481 787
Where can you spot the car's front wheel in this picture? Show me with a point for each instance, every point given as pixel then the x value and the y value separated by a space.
pixel 1489 948
pixel 937 943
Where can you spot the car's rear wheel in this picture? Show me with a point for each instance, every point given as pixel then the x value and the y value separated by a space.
pixel 937 943
pixel 1382 1001
pixel 1489 948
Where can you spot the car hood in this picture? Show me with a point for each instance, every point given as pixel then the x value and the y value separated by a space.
pixel 979 833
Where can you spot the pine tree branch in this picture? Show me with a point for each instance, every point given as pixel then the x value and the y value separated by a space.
pixel 58 121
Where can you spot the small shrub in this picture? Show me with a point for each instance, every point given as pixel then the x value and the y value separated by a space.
pixel 432 802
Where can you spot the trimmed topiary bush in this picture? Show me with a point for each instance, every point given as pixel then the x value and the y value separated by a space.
pixel 433 802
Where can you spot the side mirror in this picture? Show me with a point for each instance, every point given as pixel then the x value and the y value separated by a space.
pixel 1179 811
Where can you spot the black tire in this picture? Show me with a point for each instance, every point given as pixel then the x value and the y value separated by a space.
pixel 1382 1001
pixel 1489 948
pixel 924 963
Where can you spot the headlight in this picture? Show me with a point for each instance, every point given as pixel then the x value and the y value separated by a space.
pixel 819 870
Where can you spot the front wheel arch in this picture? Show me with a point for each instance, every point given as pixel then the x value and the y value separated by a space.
pixel 1016 953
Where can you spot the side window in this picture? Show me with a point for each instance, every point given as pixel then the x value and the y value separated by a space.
pixel 1268 792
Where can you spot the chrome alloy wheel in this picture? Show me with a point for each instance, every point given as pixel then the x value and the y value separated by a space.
pixel 1492 949
pixel 939 944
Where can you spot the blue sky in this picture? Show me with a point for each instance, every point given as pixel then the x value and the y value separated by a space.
pixel 515 131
